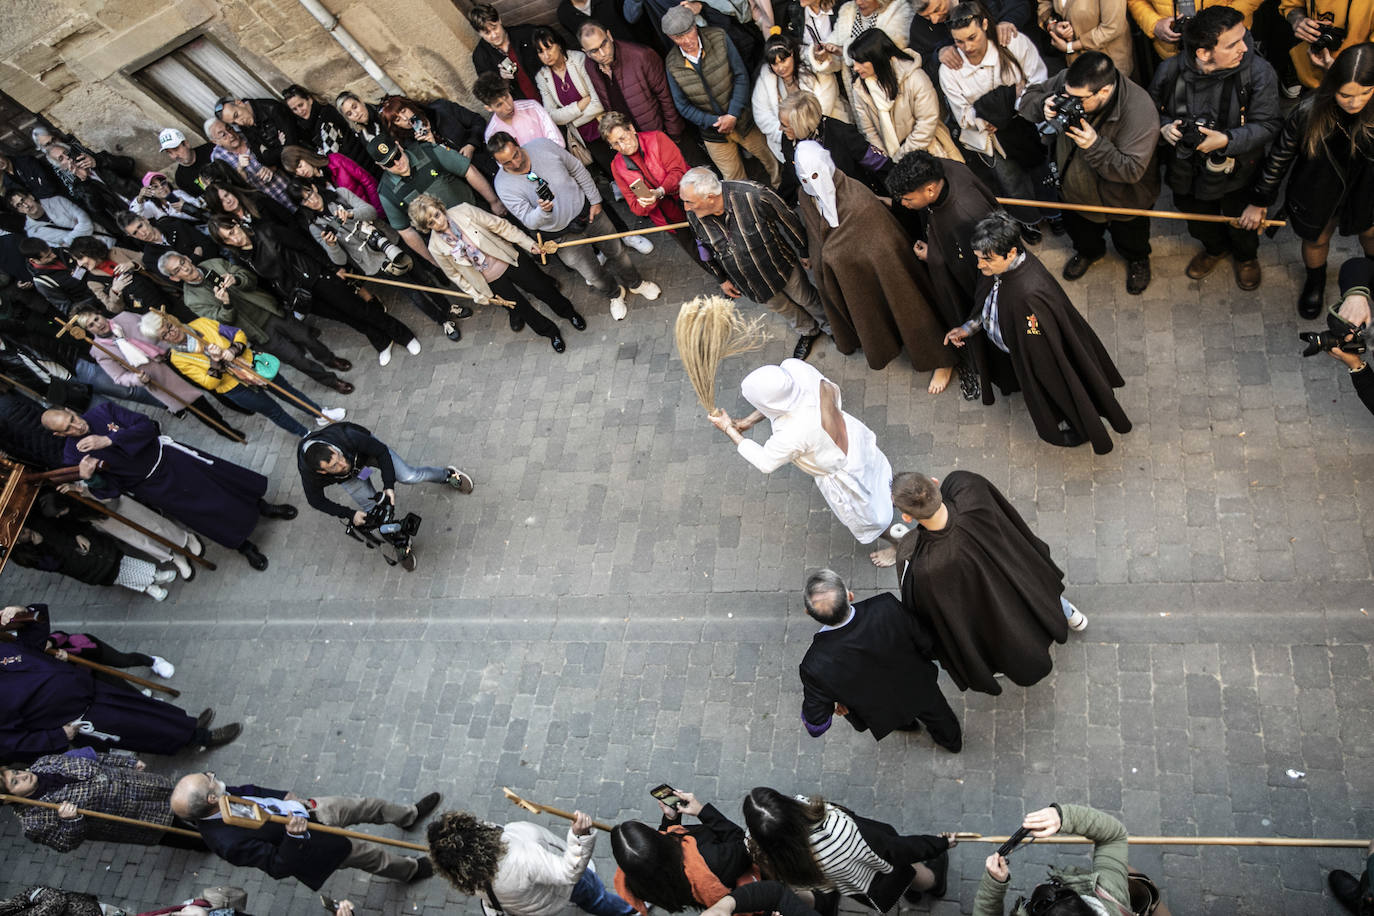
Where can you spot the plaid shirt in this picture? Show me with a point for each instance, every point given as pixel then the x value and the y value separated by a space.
pixel 269 181
pixel 756 243
pixel 109 784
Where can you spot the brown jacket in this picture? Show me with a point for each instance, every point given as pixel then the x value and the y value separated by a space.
pixel 1100 25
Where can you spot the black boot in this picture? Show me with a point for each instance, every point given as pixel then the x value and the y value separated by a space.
pixel 1313 291
pixel 253 555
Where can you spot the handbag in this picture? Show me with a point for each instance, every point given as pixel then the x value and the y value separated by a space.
pixel 266 365
pixel 576 145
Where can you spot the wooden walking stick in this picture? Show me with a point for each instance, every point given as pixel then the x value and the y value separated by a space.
pixel 238 361
pixel 429 289
pixel 537 808
pixel 24 388
pixel 618 235
pixel 118 819
pixel 1131 211
pixel 104 669
pixel 240 812
pixel 105 510
pixel 1186 841
pixel 80 333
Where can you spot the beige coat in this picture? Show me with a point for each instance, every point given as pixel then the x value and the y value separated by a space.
pixel 915 114
pixel 1100 25
pixel 496 237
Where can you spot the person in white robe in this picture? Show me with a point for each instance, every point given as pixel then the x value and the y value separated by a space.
pixel 811 430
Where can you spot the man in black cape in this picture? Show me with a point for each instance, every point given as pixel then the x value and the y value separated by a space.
pixel 1039 344
pixel 979 581
pixel 871 663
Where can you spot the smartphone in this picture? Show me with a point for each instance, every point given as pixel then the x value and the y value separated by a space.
pixel 668 795
pixel 640 188
pixel 212 278
pixel 1014 840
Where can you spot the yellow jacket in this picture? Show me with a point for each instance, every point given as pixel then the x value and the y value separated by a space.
pixel 195 365
pixel 1356 16
pixel 1147 14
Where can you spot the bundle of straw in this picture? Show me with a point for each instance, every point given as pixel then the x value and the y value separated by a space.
pixel 709 329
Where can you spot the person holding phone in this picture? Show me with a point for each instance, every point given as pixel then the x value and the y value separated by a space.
pixel 679 866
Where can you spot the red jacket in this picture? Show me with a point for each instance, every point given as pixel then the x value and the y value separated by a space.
pixel 348 174
pixel 660 164
pixel 639 74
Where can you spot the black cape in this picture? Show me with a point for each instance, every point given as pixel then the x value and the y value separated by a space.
pixel 984 587
pixel 1056 359
pixel 878 665
pixel 953 268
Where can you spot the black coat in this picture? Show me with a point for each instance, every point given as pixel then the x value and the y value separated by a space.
pixel 60 553
pixel 310 860
pixel 1056 359
pixel 953 268
pixel 359 447
pixel 879 665
pixel 487 59
pixel 273 129
pixel 985 588
pixel 182 236
pixel 720 841
pixel 35 175
pixel 22 435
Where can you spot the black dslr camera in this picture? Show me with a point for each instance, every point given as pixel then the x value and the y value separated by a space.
pixel 1190 135
pixel 380 526
pixel 1331 37
pixel 1068 112
pixel 1340 334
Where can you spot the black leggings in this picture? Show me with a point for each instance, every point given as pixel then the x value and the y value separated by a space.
pixel 525 274
pixel 336 300
pixel 108 655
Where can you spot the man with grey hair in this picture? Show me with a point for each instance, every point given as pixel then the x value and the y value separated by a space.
pixel 756 247
pixel 871 662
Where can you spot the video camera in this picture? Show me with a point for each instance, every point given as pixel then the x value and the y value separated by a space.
pixel 380 525
pixel 1068 112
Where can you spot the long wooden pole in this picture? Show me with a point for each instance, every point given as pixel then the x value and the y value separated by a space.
pixel 227 801
pixel 24 388
pixel 105 510
pixel 79 333
pixel 1188 841
pixel 538 808
pixel 619 235
pixel 428 289
pixel 1130 211
pixel 104 669
pixel 131 821
pixel 238 361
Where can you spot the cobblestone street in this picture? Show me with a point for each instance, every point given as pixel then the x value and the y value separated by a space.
pixel 618 603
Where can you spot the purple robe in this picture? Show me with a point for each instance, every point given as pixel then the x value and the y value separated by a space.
pixel 39 695
pixel 215 497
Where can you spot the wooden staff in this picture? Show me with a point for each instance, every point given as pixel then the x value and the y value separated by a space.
pixel 1131 211
pixel 105 510
pixel 429 289
pixel 537 808
pixel 238 361
pixel 616 235
pixel 1185 841
pixel 104 669
pixel 56 475
pixel 25 617
pixel 240 812
pixel 131 821
pixel 79 333
pixel 24 388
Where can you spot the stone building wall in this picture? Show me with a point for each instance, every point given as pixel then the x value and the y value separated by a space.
pixel 71 60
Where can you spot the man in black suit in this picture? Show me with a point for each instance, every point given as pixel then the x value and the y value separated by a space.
pixel 871 662
pixel 290 849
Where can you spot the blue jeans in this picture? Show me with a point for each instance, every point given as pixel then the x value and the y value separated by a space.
pixel 89 373
pixel 1067 608
pixel 259 401
pixel 591 895
pixel 362 489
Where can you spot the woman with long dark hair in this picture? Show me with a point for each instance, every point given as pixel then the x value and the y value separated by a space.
pixel 678 867
pixel 247 207
pixel 309 284
pixel 895 104
pixel 336 169
pixel 784 73
pixel 810 843
pixel 441 122
pixel 1326 143
pixel 323 127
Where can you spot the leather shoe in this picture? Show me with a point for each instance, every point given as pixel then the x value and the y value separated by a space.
pixel 1203 263
pixel 1345 887
pixel 557 343
pixel 338 364
pixel 452 331
pixel 424 868
pixel 1137 276
pixel 517 323
pixel 1056 225
pixel 223 735
pixel 253 555
pixel 578 322
pixel 1247 274
pixel 1032 235
pixel 276 510
pixel 804 344
pixel 423 807
pixel 206 716
pixel 341 386
pixel 1078 265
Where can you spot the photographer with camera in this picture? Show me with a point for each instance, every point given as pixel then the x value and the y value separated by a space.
pixel 1325 28
pixel 1219 109
pixel 1105 132
pixel 344 454
pixel 1349 327
pixel 1162 21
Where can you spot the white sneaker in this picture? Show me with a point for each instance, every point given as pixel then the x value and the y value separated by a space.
pixel 618 309
pixel 1077 621
pixel 413 348
pixel 648 289
pixel 163 668
pixel 331 415
pixel 193 544
pixel 183 566
pixel 384 357
pixel 156 592
pixel 163 576
pixel 639 243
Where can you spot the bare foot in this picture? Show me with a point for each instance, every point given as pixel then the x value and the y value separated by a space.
pixel 939 380
pixel 884 558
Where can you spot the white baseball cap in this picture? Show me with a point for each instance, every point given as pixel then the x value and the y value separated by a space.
pixel 170 138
